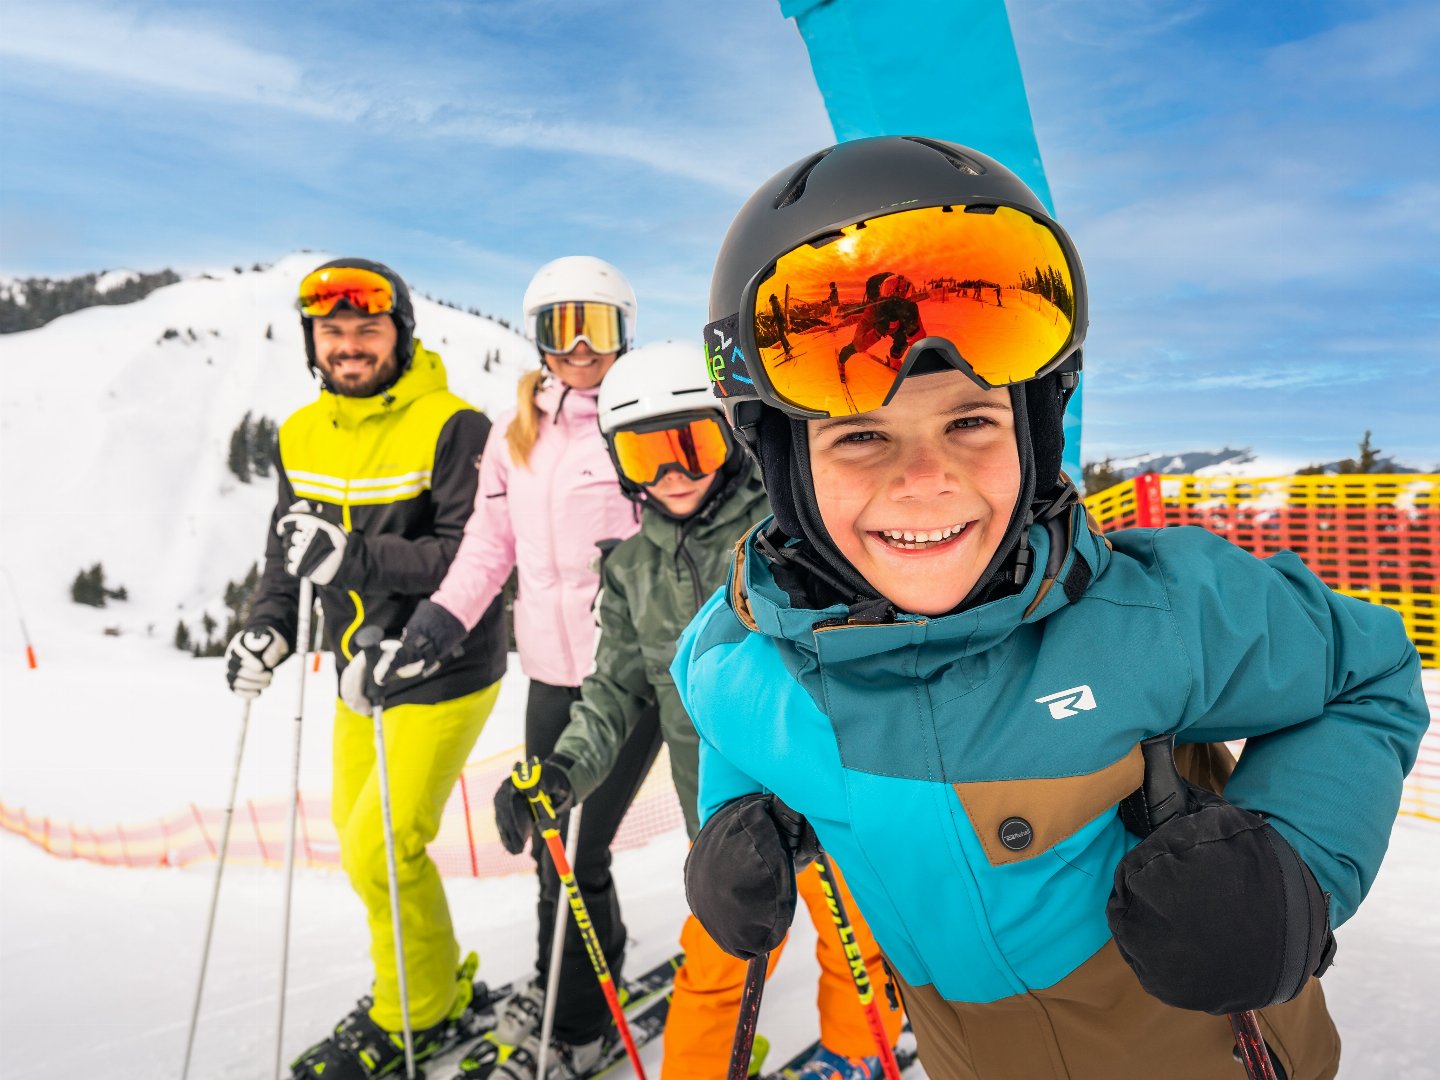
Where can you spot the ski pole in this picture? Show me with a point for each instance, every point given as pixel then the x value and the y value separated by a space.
pixel 525 777
pixel 744 1043
pixel 302 642
pixel 557 951
pixel 830 886
pixel 367 638
pixel 215 889
pixel 1165 797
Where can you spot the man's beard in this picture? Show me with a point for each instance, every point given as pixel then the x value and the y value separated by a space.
pixel 381 374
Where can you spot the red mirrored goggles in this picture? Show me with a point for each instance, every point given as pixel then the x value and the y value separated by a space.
pixel 693 443
pixel 833 326
pixel 363 290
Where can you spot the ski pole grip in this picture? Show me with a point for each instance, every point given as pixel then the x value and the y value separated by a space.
pixel 367 637
pixel 526 777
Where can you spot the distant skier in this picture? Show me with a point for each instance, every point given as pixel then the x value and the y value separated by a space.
pixel 890 313
pixel 931 657
pixel 377 479
pixel 778 314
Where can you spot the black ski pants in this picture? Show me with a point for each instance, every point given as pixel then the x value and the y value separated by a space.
pixel 580 1010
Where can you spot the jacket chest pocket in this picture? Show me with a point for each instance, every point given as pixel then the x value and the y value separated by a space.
pixel 1019 819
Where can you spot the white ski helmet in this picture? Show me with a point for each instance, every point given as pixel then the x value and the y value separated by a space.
pixel 656 380
pixel 576 278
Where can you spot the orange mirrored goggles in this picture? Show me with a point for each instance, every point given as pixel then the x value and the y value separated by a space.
pixel 696 446
pixel 560 327
pixel 992 288
pixel 364 290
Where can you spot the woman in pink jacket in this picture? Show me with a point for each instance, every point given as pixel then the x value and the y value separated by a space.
pixel 547 504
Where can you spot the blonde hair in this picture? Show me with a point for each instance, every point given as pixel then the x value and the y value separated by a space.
pixel 525 428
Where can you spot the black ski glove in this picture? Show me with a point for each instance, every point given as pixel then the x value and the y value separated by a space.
pixel 431 637
pixel 512 805
pixel 1216 912
pixel 740 874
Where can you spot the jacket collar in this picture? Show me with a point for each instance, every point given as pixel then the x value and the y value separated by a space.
pixel 425 375
pixel 764 606
pixel 562 405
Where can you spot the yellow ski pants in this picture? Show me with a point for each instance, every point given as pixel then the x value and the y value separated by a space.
pixel 426 746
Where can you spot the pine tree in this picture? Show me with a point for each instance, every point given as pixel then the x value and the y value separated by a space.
pixel 239 459
pixel 182 636
pixel 88 588
pixel 262 445
pixel 1097 476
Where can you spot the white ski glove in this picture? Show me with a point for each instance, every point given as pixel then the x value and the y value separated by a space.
pixel 360 685
pixel 251 657
pixel 314 547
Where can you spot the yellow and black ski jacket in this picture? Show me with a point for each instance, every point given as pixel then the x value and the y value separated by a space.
pixel 398 470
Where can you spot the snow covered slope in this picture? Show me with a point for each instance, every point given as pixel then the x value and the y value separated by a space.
pixel 113 440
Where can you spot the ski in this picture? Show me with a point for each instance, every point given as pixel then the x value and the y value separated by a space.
pixel 640 993
pixel 906 1054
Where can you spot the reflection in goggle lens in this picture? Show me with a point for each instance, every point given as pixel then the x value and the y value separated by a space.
pixel 364 290
pixel 833 322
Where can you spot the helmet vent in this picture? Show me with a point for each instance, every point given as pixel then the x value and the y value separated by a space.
pixel 793 190
pixel 967 165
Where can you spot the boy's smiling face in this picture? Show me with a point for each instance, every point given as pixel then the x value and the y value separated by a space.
pixel 917 494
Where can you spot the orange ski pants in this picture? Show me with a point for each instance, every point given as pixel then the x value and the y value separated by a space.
pixel 706 1003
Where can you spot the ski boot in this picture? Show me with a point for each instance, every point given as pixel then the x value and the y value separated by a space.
pixel 564 1062
pixel 359 1049
pixel 828 1065
pixel 518 1019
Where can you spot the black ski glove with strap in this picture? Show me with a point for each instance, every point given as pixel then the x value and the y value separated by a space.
pixel 740 874
pixel 513 819
pixel 1214 910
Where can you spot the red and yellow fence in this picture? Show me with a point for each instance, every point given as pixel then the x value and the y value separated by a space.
pixel 466 846
pixel 1372 536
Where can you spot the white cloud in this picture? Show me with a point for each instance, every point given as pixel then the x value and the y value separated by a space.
pixel 163 55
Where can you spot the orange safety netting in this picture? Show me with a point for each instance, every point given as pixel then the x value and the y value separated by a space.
pixel 466 846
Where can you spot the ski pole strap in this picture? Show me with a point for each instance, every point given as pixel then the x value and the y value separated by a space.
pixel 744 1043
pixel 855 960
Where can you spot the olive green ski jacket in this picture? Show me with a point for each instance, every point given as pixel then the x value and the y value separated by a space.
pixel 651 586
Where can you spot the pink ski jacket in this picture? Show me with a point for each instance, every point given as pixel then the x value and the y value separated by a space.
pixel 544 518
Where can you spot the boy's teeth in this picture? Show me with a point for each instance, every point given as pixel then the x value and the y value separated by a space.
pixel 911 539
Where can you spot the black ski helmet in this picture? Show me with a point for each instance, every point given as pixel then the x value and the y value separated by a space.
pixel 838 187
pixel 403 316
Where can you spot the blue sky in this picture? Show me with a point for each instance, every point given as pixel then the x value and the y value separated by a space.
pixel 1254 188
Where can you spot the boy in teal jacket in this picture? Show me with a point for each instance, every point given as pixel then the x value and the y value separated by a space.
pixel 932 657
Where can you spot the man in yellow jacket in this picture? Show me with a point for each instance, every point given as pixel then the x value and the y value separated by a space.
pixel 377 479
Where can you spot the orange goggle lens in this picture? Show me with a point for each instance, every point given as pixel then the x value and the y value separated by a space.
pixel 833 322
pixel 560 327
pixel 696 448
pixel 364 290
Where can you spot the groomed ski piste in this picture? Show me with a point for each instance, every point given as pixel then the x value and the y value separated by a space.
pixel 113 442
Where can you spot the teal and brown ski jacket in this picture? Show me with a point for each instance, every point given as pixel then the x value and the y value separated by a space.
pixel 911 745
pixel 398 470
pixel 651 586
